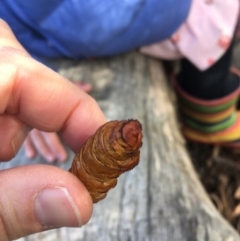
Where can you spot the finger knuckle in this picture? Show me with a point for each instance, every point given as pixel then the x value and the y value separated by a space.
pixel 4 236
pixel 5 230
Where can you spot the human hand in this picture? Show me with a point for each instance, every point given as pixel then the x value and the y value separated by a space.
pixel 38 197
pixel 48 144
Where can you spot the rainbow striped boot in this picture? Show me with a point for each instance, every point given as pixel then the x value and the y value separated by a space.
pixel 210 122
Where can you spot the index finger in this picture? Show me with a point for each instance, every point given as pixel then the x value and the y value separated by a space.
pixel 43 99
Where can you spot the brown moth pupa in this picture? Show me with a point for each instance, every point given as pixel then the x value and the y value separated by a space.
pixel 111 151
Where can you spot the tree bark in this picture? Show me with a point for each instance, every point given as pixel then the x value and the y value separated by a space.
pixel 162 198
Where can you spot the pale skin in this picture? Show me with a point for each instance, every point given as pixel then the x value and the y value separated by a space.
pixel 30 97
pixel 48 144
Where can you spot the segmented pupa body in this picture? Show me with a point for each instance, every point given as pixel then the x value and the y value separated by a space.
pixel 111 151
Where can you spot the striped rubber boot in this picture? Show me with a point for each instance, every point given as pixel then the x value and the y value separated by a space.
pixel 210 121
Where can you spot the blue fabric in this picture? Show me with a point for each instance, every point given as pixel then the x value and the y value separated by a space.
pixel 91 28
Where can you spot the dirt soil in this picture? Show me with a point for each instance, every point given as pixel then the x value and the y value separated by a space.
pixel 219 171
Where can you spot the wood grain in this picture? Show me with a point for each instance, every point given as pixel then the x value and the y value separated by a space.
pixel 162 198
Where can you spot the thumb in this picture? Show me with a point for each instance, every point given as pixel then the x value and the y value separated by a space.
pixel 40 197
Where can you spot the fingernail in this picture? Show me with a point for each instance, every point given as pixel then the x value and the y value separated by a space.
pixel 50 158
pixel 55 208
pixel 30 154
pixel 61 157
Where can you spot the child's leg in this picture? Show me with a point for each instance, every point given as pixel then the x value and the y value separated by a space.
pixel 213 83
pixel 208 102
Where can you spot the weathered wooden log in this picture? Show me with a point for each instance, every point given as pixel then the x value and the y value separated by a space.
pixel 162 198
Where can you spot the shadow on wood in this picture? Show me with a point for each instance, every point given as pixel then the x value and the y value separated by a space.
pixel 162 198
